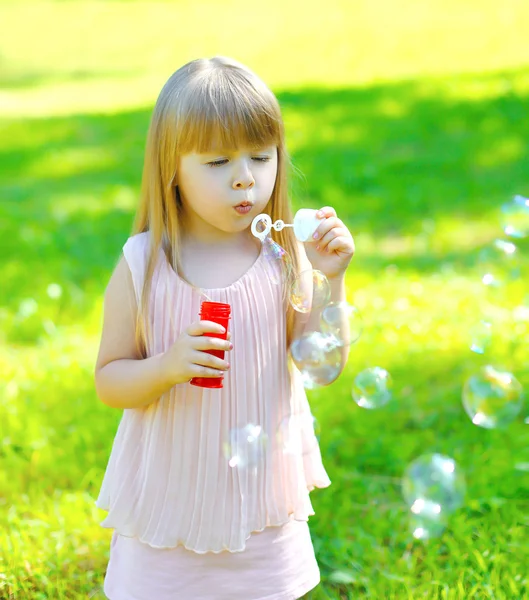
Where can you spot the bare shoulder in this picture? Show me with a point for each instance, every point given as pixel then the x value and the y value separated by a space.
pixel 118 338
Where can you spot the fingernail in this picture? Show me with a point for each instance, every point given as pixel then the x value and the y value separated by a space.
pixel 316 235
pixel 319 213
pixel 317 247
pixel 231 346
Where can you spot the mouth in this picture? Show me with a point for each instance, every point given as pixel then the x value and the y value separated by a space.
pixel 244 207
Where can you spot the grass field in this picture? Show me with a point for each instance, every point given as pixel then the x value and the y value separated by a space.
pixel 411 120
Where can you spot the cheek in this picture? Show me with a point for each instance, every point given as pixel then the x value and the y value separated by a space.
pixel 201 187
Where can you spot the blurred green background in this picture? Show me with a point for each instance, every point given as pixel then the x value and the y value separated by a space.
pixel 411 119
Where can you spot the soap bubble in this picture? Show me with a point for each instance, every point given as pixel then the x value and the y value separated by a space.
pixel 317 357
pixel 310 289
pixel 278 261
pixel 424 528
pixel 515 217
pixel 480 336
pixel 492 397
pixel 246 446
pixel 342 321
pixel 298 434
pixel 433 488
pixel 372 388
pixel 499 263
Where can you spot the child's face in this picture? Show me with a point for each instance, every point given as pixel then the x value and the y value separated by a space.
pixel 211 192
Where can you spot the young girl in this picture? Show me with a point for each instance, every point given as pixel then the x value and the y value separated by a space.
pixel 189 523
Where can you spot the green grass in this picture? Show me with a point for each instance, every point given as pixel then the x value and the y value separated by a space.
pixel 413 125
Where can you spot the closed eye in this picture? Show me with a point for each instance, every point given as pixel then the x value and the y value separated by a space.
pixel 219 163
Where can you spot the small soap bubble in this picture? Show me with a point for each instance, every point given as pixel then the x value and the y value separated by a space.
pixel 278 261
pixel 317 357
pixel 492 398
pixel 372 388
pixel 480 336
pixel 298 434
pixel 342 321
pixel 246 447
pixel 515 217
pixel 499 264
pixel 310 289
pixel 433 487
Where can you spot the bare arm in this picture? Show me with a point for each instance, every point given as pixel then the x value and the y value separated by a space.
pixel 122 378
pixel 311 321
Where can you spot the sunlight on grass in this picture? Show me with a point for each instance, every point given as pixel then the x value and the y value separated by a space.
pixel 385 123
pixel 64 77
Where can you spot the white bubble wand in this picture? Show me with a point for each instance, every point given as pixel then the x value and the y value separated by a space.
pixel 305 224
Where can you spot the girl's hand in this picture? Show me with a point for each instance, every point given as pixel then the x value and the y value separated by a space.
pixel 187 358
pixel 333 247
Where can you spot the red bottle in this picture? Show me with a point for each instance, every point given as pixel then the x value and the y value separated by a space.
pixel 218 313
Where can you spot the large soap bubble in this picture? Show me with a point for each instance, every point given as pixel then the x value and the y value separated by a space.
pixel 342 321
pixel 433 488
pixel 515 217
pixel 372 388
pixel 492 397
pixel 310 290
pixel 317 357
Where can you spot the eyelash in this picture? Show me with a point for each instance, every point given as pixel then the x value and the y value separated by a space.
pixel 219 163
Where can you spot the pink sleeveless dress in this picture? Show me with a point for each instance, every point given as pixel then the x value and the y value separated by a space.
pixel 189 523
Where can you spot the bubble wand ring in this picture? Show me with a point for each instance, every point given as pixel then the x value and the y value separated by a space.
pixel 265 219
pixel 305 224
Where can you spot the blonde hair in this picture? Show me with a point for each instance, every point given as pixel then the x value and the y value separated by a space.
pixel 206 99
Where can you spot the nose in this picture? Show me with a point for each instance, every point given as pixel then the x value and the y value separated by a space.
pixel 244 178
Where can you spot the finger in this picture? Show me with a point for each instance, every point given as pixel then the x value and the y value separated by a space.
pixel 343 243
pixel 325 226
pixel 201 371
pixel 328 238
pixel 326 211
pixel 211 343
pixel 204 359
pixel 202 327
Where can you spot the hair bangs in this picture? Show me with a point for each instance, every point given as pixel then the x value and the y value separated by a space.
pixel 225 114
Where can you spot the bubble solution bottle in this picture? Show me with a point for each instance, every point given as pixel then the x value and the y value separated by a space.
pixel 218 313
